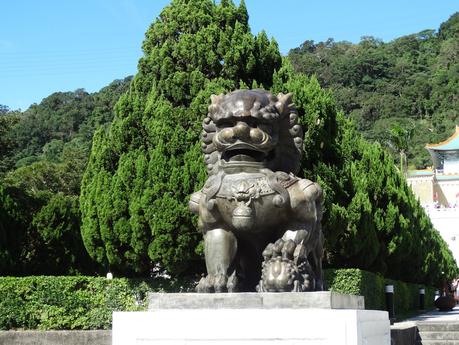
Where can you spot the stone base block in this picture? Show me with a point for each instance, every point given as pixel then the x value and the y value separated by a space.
pixel 252 326
pixel 98 337
pixel 254 300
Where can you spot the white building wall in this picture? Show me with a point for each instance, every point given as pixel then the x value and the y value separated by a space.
pixel 446 221
pixel 423 188
pixel 448 191
pixel 451 166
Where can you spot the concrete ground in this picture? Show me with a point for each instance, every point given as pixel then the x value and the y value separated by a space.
pixel 436 315
pixel 433 327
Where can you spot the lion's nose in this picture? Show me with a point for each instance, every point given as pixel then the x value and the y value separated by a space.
pixel 241 130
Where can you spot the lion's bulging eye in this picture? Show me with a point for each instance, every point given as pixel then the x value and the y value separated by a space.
pixel 256 135
pixel 227 135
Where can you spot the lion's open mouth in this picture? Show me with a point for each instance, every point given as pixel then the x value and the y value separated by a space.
pixel 243 155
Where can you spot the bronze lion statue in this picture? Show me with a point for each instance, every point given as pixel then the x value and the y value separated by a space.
pixel 261 223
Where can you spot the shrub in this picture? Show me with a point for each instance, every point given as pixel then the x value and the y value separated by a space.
pixel 45 302
pixel 372 286
pixel 51 302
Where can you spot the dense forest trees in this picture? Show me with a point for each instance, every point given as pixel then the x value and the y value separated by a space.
pixel 43 154
pixel 145 157
pixel 410 82
pixel 372 219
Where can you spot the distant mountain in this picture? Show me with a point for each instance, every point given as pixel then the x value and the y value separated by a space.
pixel 43 154
pixel 61 119
pixel 410 83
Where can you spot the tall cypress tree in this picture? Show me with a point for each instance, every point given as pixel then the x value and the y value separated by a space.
pixel 148 161
pixel 372 220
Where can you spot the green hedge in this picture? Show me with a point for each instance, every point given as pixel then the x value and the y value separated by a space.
pixel 372 287
pixel 44 303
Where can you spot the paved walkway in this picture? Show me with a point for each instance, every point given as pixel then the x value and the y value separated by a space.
pixel 431 316
pixel 433 327
pixel 440 316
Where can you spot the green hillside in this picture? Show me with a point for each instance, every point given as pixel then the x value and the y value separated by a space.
pixel 411 82
pixel 43 154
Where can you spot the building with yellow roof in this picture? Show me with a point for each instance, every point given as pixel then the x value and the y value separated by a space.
pixel 438 189
pixel 439 185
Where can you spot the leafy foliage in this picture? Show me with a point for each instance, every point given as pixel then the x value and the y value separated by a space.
pixel 56 303
pixel 372 287
pixel 62 120
pixel 61 249
pixel 43 154
pixel 372 220
pixel 66 302
pixel 11 235
pixel 7 143
pixel 411 81
pixel 146 164
pixel 40 234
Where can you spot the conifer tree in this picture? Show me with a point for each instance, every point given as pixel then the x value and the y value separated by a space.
pixel 372 220
pixel 11 232
pixel 144 166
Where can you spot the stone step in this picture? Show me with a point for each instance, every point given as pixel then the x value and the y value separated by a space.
pixel 439 335
pixel 437 342
pixel 438 326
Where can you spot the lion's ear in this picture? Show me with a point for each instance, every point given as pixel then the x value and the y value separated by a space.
pixel 284 102
pixel 216 99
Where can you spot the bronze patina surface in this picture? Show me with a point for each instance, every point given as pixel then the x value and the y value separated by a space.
pixel 261 223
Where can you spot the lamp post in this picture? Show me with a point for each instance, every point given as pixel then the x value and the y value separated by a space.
pixel 422 293
pixel 390 302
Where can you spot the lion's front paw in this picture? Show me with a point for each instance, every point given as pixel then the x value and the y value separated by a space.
pixel 218 283
pixel 204 285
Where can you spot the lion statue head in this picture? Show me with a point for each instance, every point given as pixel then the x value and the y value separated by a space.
pixel 248 127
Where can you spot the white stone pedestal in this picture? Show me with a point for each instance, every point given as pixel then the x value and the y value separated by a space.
pixel 262 325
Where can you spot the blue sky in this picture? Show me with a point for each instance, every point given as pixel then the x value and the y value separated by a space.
pixel 57 45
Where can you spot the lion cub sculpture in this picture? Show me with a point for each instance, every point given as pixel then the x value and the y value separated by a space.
pixel 261 223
